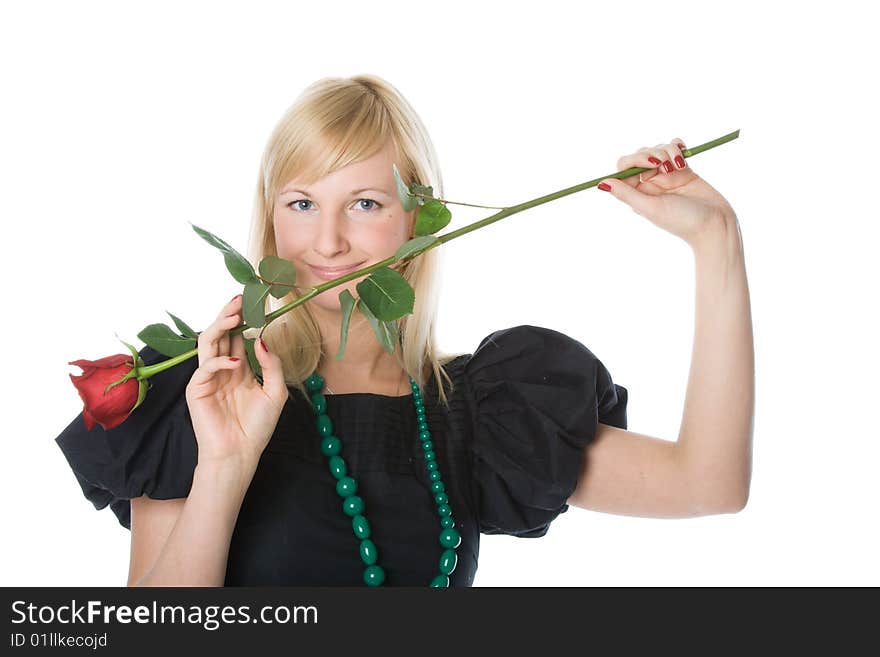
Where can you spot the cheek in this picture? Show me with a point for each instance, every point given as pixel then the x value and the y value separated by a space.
pixel 288 240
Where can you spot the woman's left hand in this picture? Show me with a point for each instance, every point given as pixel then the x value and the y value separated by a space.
pixel 672 195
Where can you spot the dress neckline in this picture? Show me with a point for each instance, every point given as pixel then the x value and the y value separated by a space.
pixel 366 394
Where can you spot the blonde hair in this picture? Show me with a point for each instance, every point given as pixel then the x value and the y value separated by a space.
pixel 335 122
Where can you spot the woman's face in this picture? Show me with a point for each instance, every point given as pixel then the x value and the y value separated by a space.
pixel 349 217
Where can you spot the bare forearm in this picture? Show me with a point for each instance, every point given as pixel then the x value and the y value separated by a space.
pixel 197 549
pixel 715 442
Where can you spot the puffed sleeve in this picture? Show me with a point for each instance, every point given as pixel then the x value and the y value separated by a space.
pixel 153 452
pixel 537 396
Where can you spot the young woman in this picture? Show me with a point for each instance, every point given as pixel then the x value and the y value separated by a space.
pixel 385 468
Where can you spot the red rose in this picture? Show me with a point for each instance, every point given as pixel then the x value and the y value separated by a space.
pixel 110 409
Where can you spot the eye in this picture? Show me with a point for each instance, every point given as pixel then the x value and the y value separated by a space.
pixel 294 203
pixel 376 205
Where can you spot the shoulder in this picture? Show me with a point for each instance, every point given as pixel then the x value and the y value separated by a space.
pixel 537 396
pixel 534 355
pixel 152 452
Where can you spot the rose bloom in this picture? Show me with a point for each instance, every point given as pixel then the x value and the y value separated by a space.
pixel 111 409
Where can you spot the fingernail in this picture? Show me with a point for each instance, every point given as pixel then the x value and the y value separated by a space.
pixel 653 160
pixel 263 345
pixel 679 161
pixel 234 298
pixel 232 315
pixel 233 359
pixel 668 166
pixel 605 187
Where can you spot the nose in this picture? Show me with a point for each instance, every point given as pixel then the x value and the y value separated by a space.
pixel 330 238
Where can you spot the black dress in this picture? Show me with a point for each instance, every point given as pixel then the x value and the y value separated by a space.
pixel 509 448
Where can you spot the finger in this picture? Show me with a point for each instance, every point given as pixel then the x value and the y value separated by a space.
pixel 238 351
pixel 644 157
pixel 677 148
pixel 661 151
pixel 231 308
pixel 223 344
pixel 673 156
pixel 643 204
pixel 209 341
pixel 274 385
pixel 206 371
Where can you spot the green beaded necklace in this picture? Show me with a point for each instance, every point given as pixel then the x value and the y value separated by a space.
pixel 353 505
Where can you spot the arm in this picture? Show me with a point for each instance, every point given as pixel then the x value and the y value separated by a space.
pixel 197 547
pixel 708 470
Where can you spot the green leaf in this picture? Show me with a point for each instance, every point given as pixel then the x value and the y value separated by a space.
pixel 252 358
pixel 407 200
pixel 278 270
pixel 431 217
pixel 387 294
pixel 386 332
pixel 168 343
pixel 347 303
pixel 414 246
pixel 183 328
pixel 253 303
pixel 143 386
pixel 421 189
pixel 237 264
pixel 134 352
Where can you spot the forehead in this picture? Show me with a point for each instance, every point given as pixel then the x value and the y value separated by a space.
pixel 372 172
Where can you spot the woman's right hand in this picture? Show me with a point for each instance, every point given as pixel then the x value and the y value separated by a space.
pixel 233 416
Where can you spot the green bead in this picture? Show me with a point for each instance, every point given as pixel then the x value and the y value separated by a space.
pixel 419 404
pixel 440 581
pixel 424 435
pixel 438 487
pixel 337 467
pixel 346 486
pixel 369 552
pixel 325 426
pixel 441 498
pixel 431 465
pixel 450 538
pixel 423 426
pixel 430 456
pixel 352 505
pixel 447 522
pixel 374 575
pixel 319 402
pixel 361 526
pixel 444 510
pixel 448 561
pixel 434 475
pixel 331 446
pixel 314 383
pixel 428 445
pixel 420 416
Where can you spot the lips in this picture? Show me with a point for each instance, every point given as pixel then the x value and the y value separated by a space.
pixel 331 273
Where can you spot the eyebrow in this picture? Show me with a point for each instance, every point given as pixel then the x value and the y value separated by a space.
pixel 354 191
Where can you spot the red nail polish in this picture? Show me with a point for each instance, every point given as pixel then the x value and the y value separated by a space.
pixel 682 146
pixel 668 166
pixel 605 187
pixel 654 160
pixel 233 359
pixel 679 161
pixel 234 298
pixel 263 345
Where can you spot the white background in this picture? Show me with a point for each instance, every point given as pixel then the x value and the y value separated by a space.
pixel 120 123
